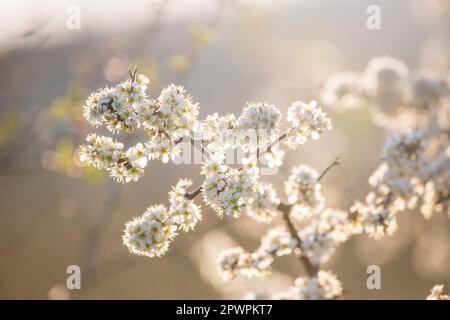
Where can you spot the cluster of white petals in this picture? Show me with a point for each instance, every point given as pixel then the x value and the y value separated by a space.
pixel 126 108
pixel 218 133
pixel 437 293
pixel 150 234
pixel 184 211
pixel 436 195
pixel 405 162
pixel 322 233
pixel 118 108
pixel 258 121
pixel 399 183
pixel 304 191
pixel 307 121
pixel 324 286
pixel 278 242
pixel 427 89
pixel 377 215
pixel 236 261
pixel 344 91
pixel 263 203
pixel 228 190
pixel 105 153
pixel 387 84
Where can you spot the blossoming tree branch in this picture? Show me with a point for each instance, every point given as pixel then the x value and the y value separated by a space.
pixel 311 230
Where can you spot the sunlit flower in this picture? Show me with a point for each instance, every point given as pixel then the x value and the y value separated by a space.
pixel 150 234
pixel 307 121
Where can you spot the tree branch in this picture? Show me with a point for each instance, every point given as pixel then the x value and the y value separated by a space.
pixel 324 172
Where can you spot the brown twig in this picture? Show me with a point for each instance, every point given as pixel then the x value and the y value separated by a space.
pixel 324 172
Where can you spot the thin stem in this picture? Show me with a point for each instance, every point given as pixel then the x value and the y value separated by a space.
pixel 324 172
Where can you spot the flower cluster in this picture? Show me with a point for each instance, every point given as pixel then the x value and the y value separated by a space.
pixel 406 176
pixel 236 261
pixel 344 91
pixel 172 119
pixel 228 190
pixel 322 233
pixel 126 108
pixel 399 183
pixel 151 234
pixel 313 234
pixel 218 133
pixel 119 107
pixel 106 153
pixel 387 84
pixel 262 205
pixel 260 121
pixel 403 168
pixel 304 191
pixel 377 215
pixel 183 210
pixel 307 121
pixel 414 172
pixel 436 195
pixel 384 80
pixel 323 286
pixel 437 293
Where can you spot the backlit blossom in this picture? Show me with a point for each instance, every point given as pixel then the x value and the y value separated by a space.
pixel 437 293
pixel 307 121
pixel 324 286
pixel 184 211
pixel 263 203
pixel 150 234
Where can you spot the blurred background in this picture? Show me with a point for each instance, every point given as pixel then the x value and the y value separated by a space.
pixel 54 213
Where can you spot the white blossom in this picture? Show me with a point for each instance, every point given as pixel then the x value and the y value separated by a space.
pixel 117 107
pixel 218 133
pixel 403 170
pixel 105 153
pixel 437 293
pixel 278 242
pixel 344 91
pixel 303 191
pixel 227 190
pixel 229 261
pixel 385 81
pixel 261 120
pixel 307 121
pixel 427 89
pixel 138 156
pixel 150 234
pixel 378 216
pixel 263 203
pixel 323 286
pixel 322 233
pixel 274 158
